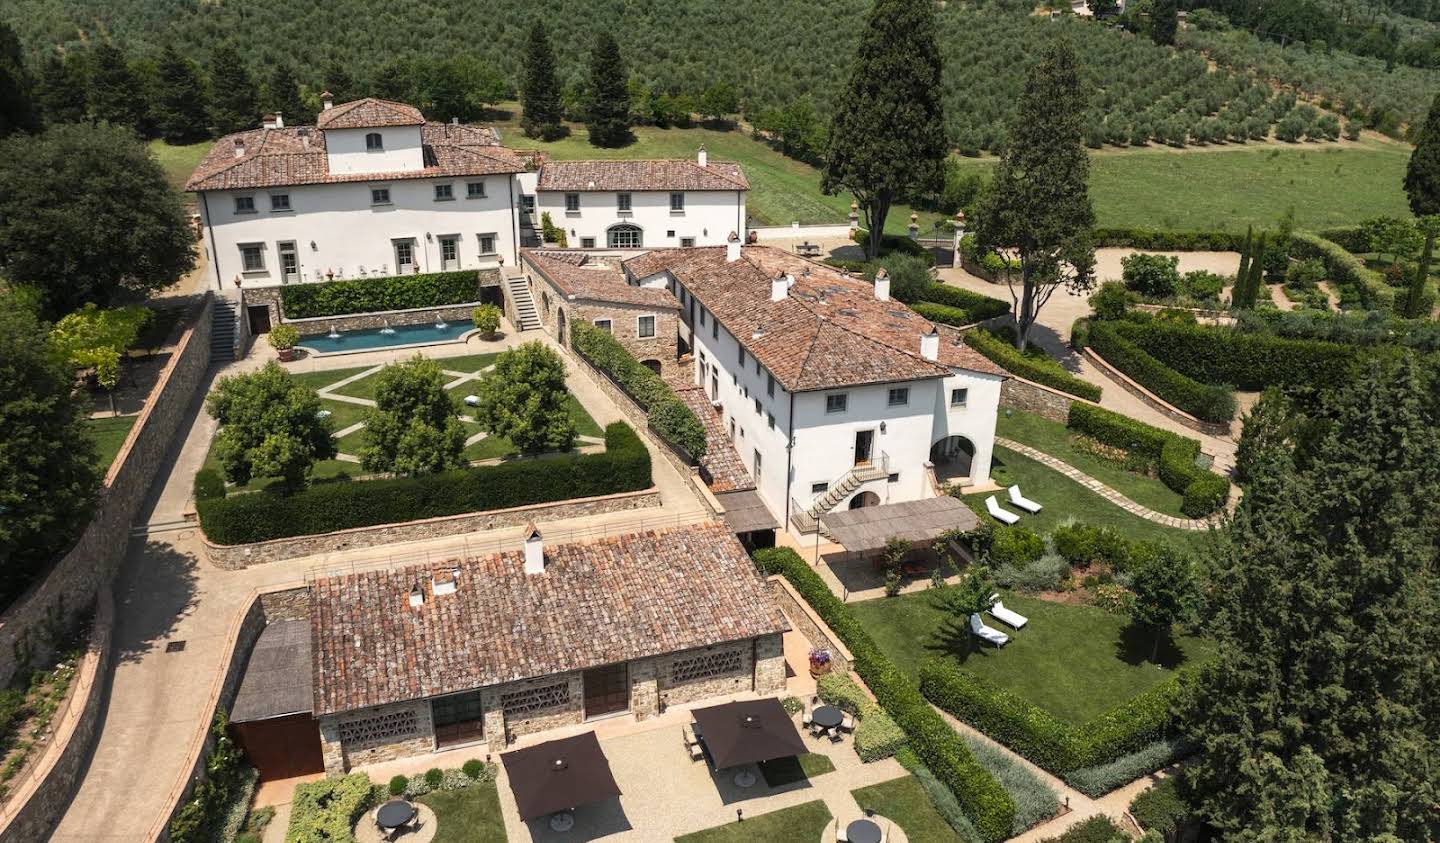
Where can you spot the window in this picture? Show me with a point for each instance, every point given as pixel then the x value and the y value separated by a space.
pixel 377 730
pixel 487 244
pixel 741 349
pixel 587 242
pixel 687 242
pixel 531 701
pixel 702 317
pixel 252 257
pixel 449 253
pixel 714 329
pixel 645 327
pixel 770 418
pixel 758 409
pixel 622 203
pixel 624 237
pixel 769 384
pixel 444 192
pixel 706 666
pixel 894 478
pixel 373 142
pixel 958 397
pixel 757 463
pixel 677 203
pixel 757 366
pixel 476 190
pixel 572 203
pixel 837 403
pixel 404 255
pixel 732 430
pixel 899 396
pixel 289 262
pixel 819 488
pixel 279 201
pixel 527 202
pixel 379 196
pixel 735 379
pixel 670 233
pixel 603 324
pixel 244 204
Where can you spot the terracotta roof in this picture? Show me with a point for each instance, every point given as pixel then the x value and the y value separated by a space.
pixel 296 155
pixel 663 174
pixel 367 113
pixel 829 331
pixel 721 466
pixel 596 603
pixel 578 275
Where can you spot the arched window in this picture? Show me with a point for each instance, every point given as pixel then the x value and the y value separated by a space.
pixel 624 236
pixel 373 141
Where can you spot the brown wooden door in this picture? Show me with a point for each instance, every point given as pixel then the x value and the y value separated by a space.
pixel 458 719
pixel 607 690
pixel 259 316
pixel 281 747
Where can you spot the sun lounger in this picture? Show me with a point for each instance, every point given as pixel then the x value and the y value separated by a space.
pixel 1009 617
pixel 1022 501
pixel 985 633
pixel 1005 516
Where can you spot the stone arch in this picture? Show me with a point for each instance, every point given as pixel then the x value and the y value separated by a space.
pixel 652 364
pixel 864 499
pixel 953 456
pixel 624 235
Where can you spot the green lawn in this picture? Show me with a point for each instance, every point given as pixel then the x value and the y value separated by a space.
pixel 1230 187
pixel 320 380
pixel 1076 662
pixel 801 823
pixel 1054 439
pixel 783 771
pixel 466 362
pixel 905 802
pixel 468 815
pixel 179 161
pixel 109 434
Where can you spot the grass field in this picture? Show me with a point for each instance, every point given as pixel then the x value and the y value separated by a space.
pixel 905 802
pixel 1076 662
pixel 109 434
pixel 179 161
pixel 804 822
pixel 468 815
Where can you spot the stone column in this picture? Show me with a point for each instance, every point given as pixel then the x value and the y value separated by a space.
pixel 959 234
pixel 494 719
pixel 330 747
pixel 644 689
pixel 769 664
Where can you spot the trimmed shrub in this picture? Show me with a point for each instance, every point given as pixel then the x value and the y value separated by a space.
pixel 1345 269
pixel 1153 276
pixel 474 768
pixel 943 800
pixel 1209 403
pixel 397 785
pixel 936 744
pixel 1174 455
pixel 1047 573
pixel 668 416
pixel 368 295
pixel 434 776
pixel 326 507
pixel 1202 284
pixel 1015 546
pixel 327 810
pixel 979 307
pixel 1111 301
pixel 877 736
pixel 1049 373
pixel 840 690
pixel 943 313
pixel 1101 779
pixel 1034 800
pixel 1160 808
pixel 1170 241
pixel 208 485
pixel 1094 830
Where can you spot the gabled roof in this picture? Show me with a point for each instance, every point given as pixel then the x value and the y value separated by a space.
pixel 369 113
pixel 577 275
pixel 662 174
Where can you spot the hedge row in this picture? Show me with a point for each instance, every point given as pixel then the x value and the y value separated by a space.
pixel 1174 241
pixel 937 745
pixel 978 307
pixel 1203 401
pixel 1004 355
pixel 943 313
pixel 1204 492
pixel 1036 734
pixel 241 519
pixel 670 417
pixel 1349 238
pixel 368 295
pixel 1345 269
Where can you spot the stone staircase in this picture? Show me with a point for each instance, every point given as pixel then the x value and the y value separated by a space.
pixel 525 312
pixel 808 520
pixel 223 324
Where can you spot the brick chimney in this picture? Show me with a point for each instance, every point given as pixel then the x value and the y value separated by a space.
pixel 732 248
pixel 882 285
pixel 273 121
pixel 534 550
pixel 327 100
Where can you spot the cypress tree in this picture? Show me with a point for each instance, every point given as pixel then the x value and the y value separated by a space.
pixel 1244 271
pixel 182 109
pixel 1164 22
pixel 60 90
pixel 1247 290
pixel 887 137
pixel 17 105
pixel 282 94
pixel 113 88
pixel 395 80
pixel 339 82
pixel 540 88
pixel 233 105
pixel 1422 187
pixel 609 108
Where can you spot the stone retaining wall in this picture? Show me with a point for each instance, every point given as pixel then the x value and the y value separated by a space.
pixel 69 587
pixel 1031 397
pixel 634 413
pixel 809 624
pixel 1154 401
pixel 234 557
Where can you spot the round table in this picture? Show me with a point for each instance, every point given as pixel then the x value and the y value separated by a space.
pixel 862 831
pixel 562 821
pixel 744 778
pixel 827 717
pixel 394 814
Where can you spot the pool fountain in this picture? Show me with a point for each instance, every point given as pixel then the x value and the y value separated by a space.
pixel 334 334
pixel 387 330
pixel 440 323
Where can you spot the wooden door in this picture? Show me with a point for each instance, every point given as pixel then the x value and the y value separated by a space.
pixel 607 690
pixel 281 747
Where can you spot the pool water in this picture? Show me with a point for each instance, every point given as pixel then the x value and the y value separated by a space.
pixel 369 338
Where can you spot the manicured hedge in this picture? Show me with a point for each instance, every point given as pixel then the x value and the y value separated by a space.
pixel 1345 269
pixel 1004 355
pixel 933 740
pixel 943 313
pixel 670 417
pixel 1350 238
pixel 1203 491
pixel 328 809
pixel 240 519
pixel 978 307
pixel 1102 778
pixel 1171 241
pixel 1204 401
pixel 368 295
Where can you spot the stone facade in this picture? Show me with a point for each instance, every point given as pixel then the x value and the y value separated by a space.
pixel 809 624
pixel 558 700
pixel 1020 394
pixel 644 689
pixel 372 735
pixel 624 325
pixel 238 556
pixel 695 675
pixel 270 297
pixel 1156 402
pixel 633 413
pixel 289 605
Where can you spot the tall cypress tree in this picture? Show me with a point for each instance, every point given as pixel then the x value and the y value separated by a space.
pixel 17 105
pixel 233 105
pixel 1317 720
pixel 60 90
pixel 113 86
pixel 1164 22
pixel 182 107
pixel 339 82
pixel 608 117
pixel 1243 272
pixel 282 94
pixel 887 137
pixel 540 88
pixel 1422 187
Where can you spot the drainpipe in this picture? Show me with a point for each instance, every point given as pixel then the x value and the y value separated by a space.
pixel 214 253
pixel 789 460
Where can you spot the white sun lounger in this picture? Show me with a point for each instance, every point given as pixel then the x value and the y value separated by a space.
pixel 1022 501
pixel 993 507
pixel 1009 617
pixel 985 633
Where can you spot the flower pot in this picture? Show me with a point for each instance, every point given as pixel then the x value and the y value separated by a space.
pixel 286 354
pixel 819 670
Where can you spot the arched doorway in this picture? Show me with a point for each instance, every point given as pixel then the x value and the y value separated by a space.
pixel 952 457
pixel 864 499
pixel 624 236
pixel 560 327
pixel 652 364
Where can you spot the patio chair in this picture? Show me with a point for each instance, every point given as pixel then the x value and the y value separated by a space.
pixel 689 734
pixel 697 752
pixel 835 736
pixel 1000 514
pixel 1022 501
pixel 848 723
pixel 985 633
pixel 808 717
pixel 1009 617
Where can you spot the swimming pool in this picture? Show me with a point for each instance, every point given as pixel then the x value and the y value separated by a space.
pixel 371 338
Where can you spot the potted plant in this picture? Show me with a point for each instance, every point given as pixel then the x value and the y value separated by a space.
pixel 821 662
pixel 283 339
pixel 487 320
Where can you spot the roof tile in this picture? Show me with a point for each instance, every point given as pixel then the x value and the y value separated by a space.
pixel 661 174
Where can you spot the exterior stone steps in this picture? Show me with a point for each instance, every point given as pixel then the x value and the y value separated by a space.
pixel 527 316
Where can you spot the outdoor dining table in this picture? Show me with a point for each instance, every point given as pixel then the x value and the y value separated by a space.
pixel 394 814
pixel 827 717
pixel 862 831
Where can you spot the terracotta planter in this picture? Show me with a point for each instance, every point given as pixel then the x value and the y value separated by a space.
pixel 819 670
pixel 286 354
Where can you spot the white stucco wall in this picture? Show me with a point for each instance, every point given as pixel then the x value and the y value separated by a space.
pixel 402 150
pixel 709 216
pixel 349 232
pixel 975 421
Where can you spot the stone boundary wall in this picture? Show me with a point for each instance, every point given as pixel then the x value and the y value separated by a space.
pixel 809 624
pixel 790 232
pixel 69 587
pixel 1044 401
pixel 1203 315
pixel 234 557
pixel 633 412
pixel 41 796
pixel 1154 401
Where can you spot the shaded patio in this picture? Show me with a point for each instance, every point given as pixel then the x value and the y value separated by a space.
pixel 555 777
pixel 866 530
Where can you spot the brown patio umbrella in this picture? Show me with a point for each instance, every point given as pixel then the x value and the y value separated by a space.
pixel 559 775
pixel 748 732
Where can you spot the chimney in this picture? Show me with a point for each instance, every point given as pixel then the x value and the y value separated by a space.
pixel 417 597
pixel 930 344
pixel 732 248
pixel 780 286
pixel 239 147
pixel 273 121
pixel 443 582
pixel 534 550
pixel 327 100
pixel 882 285
pixel 703 157
pixel 454 121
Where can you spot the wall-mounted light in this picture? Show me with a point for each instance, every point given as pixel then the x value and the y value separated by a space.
pixel 882 428
pixel 429 237
pixel 312 246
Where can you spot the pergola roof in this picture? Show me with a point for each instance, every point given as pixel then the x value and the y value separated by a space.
pixel 748 732
pixel 869 528
pixel 745 512
pixel 277 678
pixel 559 775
